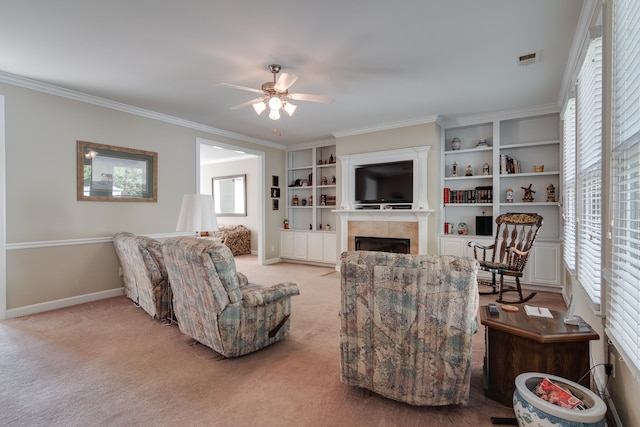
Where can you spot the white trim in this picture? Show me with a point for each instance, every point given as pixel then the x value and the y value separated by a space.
pixel 499 116
pixel 387 126
pixel 62 303
pixel 577 48
pixel 3 216
pixel 90 99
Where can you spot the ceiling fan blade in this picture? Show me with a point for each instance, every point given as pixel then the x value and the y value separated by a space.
pixel 248 89
pixel 285 81
pixel 246 104
pixel 313 98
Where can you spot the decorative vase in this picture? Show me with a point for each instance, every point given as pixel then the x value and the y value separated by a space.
pixel 531 410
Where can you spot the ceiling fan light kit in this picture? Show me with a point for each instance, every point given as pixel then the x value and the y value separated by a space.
pixel 275 95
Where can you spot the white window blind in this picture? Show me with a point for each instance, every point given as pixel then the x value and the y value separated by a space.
pixel 589 170
pixel 623 308
pixel 569 183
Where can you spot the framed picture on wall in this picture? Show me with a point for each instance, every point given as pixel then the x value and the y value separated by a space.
pixel 106 173
pixel 275 204
pixel 275 181
pixel 275 193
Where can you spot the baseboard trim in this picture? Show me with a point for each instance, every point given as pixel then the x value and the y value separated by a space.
pixel 62 303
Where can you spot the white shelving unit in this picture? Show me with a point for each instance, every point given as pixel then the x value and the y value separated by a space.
pixel 310 198
pixel 531 141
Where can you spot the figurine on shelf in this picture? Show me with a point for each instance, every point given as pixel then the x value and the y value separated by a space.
pixel 295 201
pixel 469 171
pixel 310 200
pixel 456 143
pixel 333 179
pixel 324 181
pixel 509 195
pixel 485 169
pixel 286 224
pixel 463 228
pixel 454 169
pixel 551 193
pixel 528 194
pixel 304 202
pixel 331 159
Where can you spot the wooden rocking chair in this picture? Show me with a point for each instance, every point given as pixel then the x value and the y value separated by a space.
pixel 515 235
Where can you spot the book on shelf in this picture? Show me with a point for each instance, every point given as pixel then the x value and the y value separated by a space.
pixel 476 195
pixel 509 165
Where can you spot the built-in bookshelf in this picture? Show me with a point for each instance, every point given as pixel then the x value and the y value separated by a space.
pixel 490 171
pixel 310 198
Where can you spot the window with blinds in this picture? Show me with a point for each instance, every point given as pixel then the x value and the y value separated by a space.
pixel 623 308
pixel 589 170
pixel 569 184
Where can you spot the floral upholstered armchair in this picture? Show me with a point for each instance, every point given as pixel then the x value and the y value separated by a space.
pixel 144 274
pixel 407 325
pixel 216 305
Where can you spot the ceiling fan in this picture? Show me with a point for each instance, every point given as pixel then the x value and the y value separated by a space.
pixel 276 94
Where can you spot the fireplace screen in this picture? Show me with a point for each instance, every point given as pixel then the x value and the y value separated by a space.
pixel 382 244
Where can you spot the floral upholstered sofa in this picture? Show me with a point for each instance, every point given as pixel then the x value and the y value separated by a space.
pixel 144 274
pixel 217 306
pixel 235 237
pixel 406 325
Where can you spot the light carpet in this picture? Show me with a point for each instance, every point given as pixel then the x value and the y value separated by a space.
pixel 108 363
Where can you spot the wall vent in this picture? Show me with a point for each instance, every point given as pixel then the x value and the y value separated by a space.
pixel 526 59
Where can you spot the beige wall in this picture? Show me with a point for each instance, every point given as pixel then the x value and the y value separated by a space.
pixel 41 134
pixel 427 134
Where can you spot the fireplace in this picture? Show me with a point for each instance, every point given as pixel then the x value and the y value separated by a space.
pixel 382 244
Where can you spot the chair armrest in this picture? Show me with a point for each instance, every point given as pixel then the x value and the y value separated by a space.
pixel 479 246
pixel 242 279
pixel 511 249
pixel 258 295
pixel 476 246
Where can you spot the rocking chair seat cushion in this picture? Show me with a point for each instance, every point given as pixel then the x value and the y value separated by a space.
pixel 488 265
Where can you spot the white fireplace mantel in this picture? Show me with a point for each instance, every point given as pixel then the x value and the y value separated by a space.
pixel 420 209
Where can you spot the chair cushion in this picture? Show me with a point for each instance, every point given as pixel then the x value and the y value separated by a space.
pixel 225 266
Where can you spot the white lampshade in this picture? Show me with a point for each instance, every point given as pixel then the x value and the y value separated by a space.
pixel 290 108
pixel 259 107
pixel 197 213
pixel 274 114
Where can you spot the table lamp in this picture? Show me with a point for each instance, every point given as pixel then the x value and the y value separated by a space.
pixel 197 214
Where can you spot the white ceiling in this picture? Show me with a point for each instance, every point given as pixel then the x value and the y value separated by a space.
pixel 384 62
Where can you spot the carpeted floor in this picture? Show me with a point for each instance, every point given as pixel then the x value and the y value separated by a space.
pixel 108 363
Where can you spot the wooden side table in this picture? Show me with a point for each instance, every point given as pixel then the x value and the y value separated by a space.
pixel 517 343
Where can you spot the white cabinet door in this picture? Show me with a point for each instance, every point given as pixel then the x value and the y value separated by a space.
pixel 299 245
pixel 453 246
pixel 314 247
pixel 286 244
pixel 329 249
pixel 545 263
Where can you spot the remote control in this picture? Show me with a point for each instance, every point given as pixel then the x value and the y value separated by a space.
pixel 493 310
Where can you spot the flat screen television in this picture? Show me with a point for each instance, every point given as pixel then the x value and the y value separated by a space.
pixel 384 182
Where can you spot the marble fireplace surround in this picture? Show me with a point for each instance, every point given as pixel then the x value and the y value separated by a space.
pixel 399 223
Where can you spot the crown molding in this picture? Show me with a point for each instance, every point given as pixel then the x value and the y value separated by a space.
pixel 102 102
pixel 500 115
pixel 387 126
